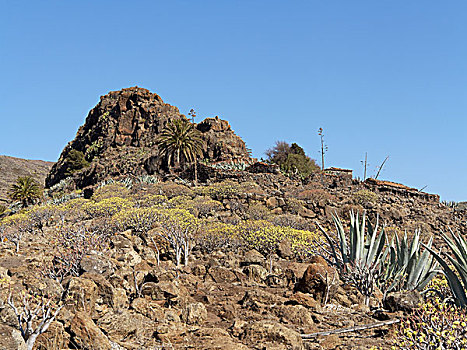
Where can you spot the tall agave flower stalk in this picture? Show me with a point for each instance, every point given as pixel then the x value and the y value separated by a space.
pixel 458 246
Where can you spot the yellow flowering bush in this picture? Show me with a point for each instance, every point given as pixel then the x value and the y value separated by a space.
pixel 220 190
pixel 14 227
pixel 140 220
pixel 149 200
pixel 109 191
pixel 214 235
pixel 435 325
pixel 178 227
pixel 106 207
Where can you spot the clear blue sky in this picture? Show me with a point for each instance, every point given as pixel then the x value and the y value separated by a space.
pixel 383 77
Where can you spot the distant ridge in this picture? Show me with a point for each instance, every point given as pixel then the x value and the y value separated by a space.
pixel 12 167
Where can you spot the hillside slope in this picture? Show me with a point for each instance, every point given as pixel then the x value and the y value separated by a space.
pixel 11 168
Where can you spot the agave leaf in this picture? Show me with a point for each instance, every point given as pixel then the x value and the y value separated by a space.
pixel 453 280
pixel 342 242
pixel 331 244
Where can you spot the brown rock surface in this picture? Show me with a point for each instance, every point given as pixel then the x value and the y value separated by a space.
pixel 118 138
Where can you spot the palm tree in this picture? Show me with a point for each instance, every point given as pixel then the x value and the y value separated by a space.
pixel 26 190
pixel 179 139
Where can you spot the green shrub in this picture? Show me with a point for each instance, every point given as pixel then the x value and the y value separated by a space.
pixel 292 159
pixel 365 197
pixel 75 161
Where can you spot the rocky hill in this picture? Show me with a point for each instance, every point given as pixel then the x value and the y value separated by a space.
pixel 118 138
pixel 11 168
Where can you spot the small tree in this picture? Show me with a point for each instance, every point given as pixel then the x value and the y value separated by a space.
pixel 34 317
pixel 179 140
pixel 291 159
pixel 26 190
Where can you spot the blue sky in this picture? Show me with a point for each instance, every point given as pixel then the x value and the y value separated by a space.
pixel 383 77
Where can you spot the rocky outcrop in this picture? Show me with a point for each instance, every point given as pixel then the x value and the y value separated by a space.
pixel 118 138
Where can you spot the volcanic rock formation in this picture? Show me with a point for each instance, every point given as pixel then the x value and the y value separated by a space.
pixel 119 137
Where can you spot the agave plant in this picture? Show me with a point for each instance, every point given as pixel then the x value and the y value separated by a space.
pixel 406 268
pixel 458 246
pixel 359 258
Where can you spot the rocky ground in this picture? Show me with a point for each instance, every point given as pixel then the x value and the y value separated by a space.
pixel 122 298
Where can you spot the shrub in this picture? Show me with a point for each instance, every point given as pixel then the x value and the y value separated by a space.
pixel 365 197
pixel 257 211
pixel 106 207
pixel 15 227
pixel 216 235
pixel 109 191
pixel 435 325
pixel 150 200
pixel 220 190
pixel 3 209
pixel 171 189
pixel 178 228
pixel 140 220
pixel 205 206
pixel 293 205
pixel 265 239
pixel 41 215
pixel 75 161
pixel 291 159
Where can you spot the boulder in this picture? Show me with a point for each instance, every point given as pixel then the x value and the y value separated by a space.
pixel 222 275
pixel 271 334
pixel 194 313
pixel 320 280
pixel 402 301
pixel 252 257
pixel 86 334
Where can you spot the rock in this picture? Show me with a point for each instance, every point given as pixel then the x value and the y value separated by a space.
pixel 276 281
pixel 255 272
pixel 307 213
pixel 11 339
pixel 277 211
pixel 222 275
pixel 127 327
pixel 216 339
pixel 194 313
pixel 402 301
pixel 257 298
pixel 252 257
pixel 296 314
pixel 272 202
pixel 82 295
pixel 285 249
pixel 54 338
pixel 305 300
pixel 86 334
pixel 127 122
pixel 149 308
pixel 268 332
pixel 319 279
pixel 97 264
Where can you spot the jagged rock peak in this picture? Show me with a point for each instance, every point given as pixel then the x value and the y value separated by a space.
pixel 118 138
